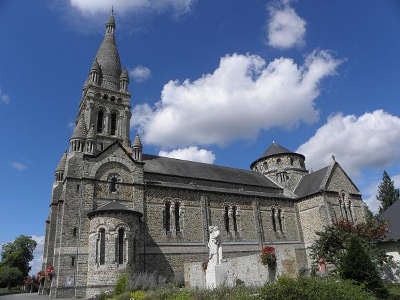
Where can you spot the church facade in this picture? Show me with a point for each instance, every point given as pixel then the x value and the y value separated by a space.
pixel 114 208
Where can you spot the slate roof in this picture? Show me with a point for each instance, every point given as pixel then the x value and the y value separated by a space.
pixel 108 58
pixel 275 148
pixel 61 164
pixel 392 215
pixel 80 130
pixel 112 206
pixel 311 183
pixel 178 167
pixel 137 142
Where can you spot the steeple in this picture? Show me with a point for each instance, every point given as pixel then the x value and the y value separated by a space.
pixel 137 148
pixel 108 58
pixel 77 141
pixel 61 167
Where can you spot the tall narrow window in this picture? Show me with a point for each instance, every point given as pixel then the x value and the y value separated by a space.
pixel 273 219
pixel 121 234
pixel 226 218
pixel 113 184
pixel 100 120
pixel 177 225
pixel 350 213
pixel 280 219
pixel 72 261
pixel 234 210
pixel 166 216
pixel 74 231
pixel 102 246
pixel 113 127
pixel 344 205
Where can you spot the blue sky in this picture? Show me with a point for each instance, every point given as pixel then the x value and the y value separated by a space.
pixel 321 77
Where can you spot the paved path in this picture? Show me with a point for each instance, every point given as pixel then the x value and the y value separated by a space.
pixel 29 297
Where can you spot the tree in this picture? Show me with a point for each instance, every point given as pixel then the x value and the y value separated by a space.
pixel 10 276
pixel 387 194
pixel 332 243
pixel 18 254
pixel 357 265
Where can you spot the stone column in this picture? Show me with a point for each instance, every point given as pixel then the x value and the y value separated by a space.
pixel 258 222
pixel 106 129
pixel 172 219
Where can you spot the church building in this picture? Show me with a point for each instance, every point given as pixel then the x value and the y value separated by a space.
pixel 115 208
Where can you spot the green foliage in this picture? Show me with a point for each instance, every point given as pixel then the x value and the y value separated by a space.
pixel 122 285
pixel 356 265
pixel 387 194
pixel 286 288
pixel 138 295
pixel 18 254
pixel 332 243
pixel 10 276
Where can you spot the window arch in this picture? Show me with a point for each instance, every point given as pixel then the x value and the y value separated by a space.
pixel 234 220
pixel 100 120
pixel 120 246
pixel 177 217
pixel 102 246
pixel 113 125
pixel 113 184
pixel 167 217
pixel 280 219
pixel 273 219
pixel 226 218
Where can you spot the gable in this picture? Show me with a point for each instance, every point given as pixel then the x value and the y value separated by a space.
pixel 339 181
pixel 115 154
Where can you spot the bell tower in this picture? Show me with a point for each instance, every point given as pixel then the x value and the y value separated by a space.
pixel 105 108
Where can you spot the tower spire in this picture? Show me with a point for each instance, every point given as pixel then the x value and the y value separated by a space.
pixel 110 25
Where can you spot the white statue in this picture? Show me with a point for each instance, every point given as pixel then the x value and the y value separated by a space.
pixel 214 246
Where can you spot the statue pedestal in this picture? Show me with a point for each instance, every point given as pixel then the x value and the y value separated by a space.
pixel 216 276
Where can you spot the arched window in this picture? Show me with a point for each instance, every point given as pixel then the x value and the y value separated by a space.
pixel 177 225
pixel 226 218
pixel 280 219
pixel 100 120
pixel 278 161
pixel 102 233
pixel 113 184
pixel 344 205
pixel 234 210
pixel 113 126
pixel 273 219
pixel 121 234
pixel 291 161
pixel 166 217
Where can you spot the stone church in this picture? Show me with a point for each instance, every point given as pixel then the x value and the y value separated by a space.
pixel 114 208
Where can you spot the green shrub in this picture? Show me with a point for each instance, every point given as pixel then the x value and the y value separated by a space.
pixel 357 265
pixel 138 295
pixel 122 285
pixel 286 288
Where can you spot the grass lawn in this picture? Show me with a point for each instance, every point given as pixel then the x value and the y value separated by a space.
pixel 6 291
pixel 394 290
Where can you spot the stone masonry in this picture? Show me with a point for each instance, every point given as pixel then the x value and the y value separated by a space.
pixel 114 208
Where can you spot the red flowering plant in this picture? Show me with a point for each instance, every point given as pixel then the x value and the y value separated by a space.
pixel 268 256
pixel 204 265
pixel 332 243
pixel 40 276
pixel 49 272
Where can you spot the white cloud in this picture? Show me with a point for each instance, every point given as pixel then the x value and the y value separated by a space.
pixel 140 73
pixel 92 7
pixel 4 98
pixel 191 153
pixel 285 28
pixel 36 263
pixel 371 191
pixel 19 166
pixel 371 140
pixel 241 97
